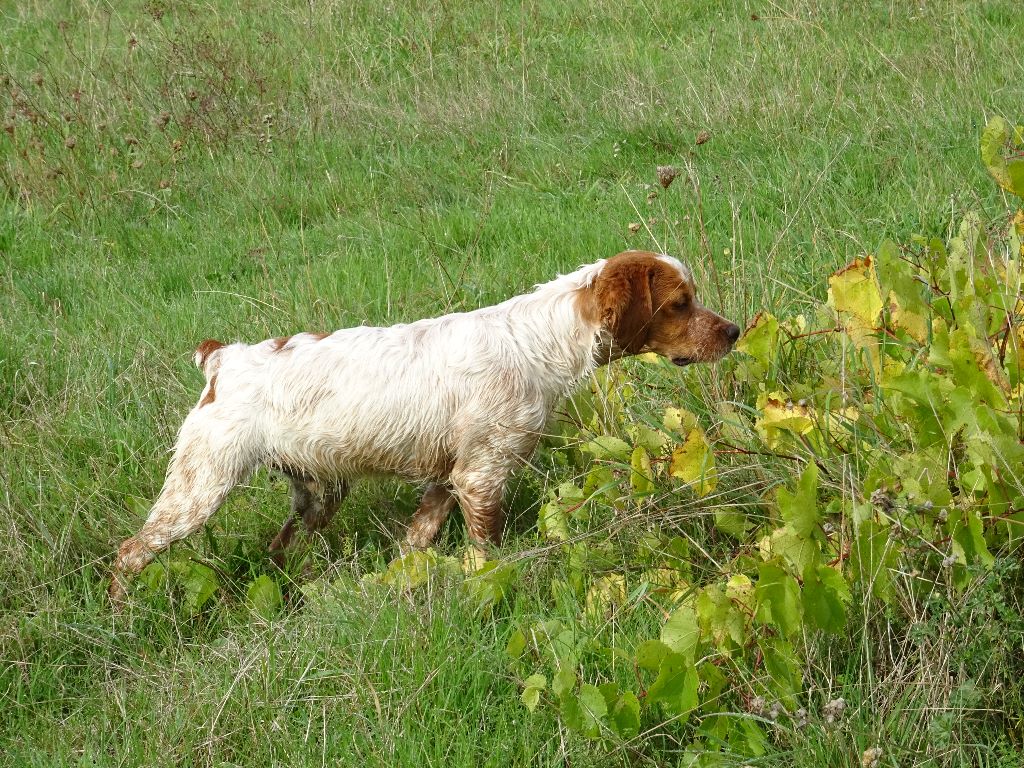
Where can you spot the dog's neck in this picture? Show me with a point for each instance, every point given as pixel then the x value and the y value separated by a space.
pixel 560 325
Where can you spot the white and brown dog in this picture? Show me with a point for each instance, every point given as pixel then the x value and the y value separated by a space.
pixel 457 401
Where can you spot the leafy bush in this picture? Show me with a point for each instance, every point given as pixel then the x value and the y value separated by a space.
pixel 898 408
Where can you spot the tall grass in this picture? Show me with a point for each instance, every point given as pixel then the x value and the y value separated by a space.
pixel 175 171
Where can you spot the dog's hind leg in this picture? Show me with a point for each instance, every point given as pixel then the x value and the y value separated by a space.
pixel 313 502
pixel 206 465
pixel 436 504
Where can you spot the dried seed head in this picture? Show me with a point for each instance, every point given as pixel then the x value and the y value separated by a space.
pixel 834 710
pixel 162 119
pixel 70 142
pixel 871 757
pixel 136 164
pixel 666 175
pixel 165 184
pixel 703 137
pixel 37 78
pixel 634 227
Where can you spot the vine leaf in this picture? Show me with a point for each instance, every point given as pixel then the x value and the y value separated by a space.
pixel 800 508
pixel 825 597
pixel 693 462
pixel 681 632
pixel 778 599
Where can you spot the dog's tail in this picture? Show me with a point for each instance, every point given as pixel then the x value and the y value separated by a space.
pixel 207 358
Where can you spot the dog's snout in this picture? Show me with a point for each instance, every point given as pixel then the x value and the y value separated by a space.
pixel 732 332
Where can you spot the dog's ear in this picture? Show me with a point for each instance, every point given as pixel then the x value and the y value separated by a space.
pixel 625 298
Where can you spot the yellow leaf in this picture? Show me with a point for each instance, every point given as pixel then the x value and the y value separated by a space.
pixel 740 589
pixel 649 357
pixel 760 340
pixel 778 415
pixel 604 593
pixel 473 560
pixel 693 462
pixel 679 420
pixel 915 324
pixel 853 292
pixel 641 474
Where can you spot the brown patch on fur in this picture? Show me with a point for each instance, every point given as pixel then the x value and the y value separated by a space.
pixel 279 342
pixel 320 336
pixel 211 392
pixel 205 349
pixel 646 304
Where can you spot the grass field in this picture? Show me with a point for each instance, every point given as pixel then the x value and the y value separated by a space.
pixel 172 171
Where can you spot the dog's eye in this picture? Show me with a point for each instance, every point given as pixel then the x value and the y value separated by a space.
pixel 683 305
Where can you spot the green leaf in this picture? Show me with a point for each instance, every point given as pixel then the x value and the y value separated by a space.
pixel 652 440
pixel 416 568
pixel 1008 174
pixel 531 693
pixel 778 599
pixel 609 448
pixel 872 557
pixel 694 463
pixel 516 644
pixel 650 653
pixel 731 521
pixel 825 597
pixel 564 680
pixel 719 619
pixel 782 666
pixel 264 595
pixel 993 137
pixel 583 713
pixel 641 474
pixel 676 685
pixel 625 716
pixel 681 632
pixel 200 584
pixel 154 576
pixel 748 738
pixel 553 522
pixel 969 540
pixel 761 339
pixel 599 481
pixel 800 508
pixel 799 551
pixel 489 585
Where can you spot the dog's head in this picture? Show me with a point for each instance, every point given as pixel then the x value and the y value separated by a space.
pixel 646 303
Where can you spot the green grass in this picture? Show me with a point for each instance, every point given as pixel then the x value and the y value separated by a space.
pixel 328 164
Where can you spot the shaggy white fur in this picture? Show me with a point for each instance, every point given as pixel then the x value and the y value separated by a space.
pixel 456 401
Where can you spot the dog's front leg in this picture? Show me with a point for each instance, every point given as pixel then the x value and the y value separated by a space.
pixel 480 490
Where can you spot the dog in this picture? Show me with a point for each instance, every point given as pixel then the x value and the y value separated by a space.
pixel 456 402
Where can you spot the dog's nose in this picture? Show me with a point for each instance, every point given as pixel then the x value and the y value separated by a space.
pixel 732 332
